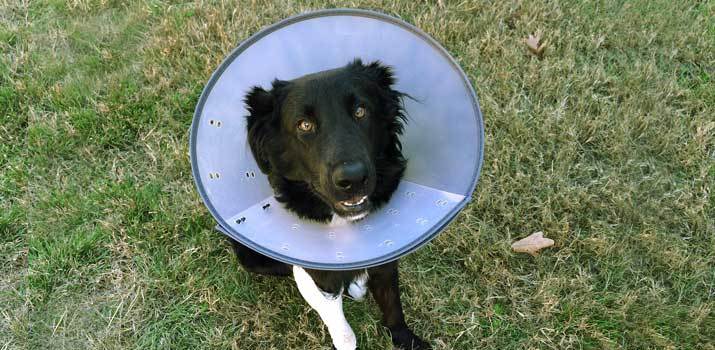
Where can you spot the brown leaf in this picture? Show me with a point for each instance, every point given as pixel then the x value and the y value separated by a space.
pixel 532 244
pixel 534 44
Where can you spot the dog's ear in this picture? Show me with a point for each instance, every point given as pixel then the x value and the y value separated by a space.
pixel 375 71
pixel 263 121
pixel 258 101
pixel 261 102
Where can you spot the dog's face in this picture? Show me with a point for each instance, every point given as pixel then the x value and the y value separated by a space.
pixel 331 130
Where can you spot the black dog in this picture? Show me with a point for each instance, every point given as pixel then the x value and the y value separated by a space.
pixel 328 143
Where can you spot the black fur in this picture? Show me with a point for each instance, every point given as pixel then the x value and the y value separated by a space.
pixel 300 164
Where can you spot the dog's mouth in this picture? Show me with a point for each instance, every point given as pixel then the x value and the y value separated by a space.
pixel 355 202
pixel 354 208
pixel 351 209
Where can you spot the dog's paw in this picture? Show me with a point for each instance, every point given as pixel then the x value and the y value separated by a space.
pixel 404 339
pixel 358 287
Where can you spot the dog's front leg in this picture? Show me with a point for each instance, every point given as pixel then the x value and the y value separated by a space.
pixel 330 309
pixel 385 289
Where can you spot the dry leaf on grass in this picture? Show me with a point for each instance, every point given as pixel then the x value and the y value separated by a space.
pixel 534 44
pixel 532 244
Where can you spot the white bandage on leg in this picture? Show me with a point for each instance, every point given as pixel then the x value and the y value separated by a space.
pixel 330 309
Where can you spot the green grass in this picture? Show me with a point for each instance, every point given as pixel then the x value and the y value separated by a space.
pixel 607 144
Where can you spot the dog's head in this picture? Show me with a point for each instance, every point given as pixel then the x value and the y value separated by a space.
pixel 332 135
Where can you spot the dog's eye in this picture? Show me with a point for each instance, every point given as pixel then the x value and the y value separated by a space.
pixel 306 126
pixel 360 112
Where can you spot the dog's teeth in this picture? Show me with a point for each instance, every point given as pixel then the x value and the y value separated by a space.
pixel 354 203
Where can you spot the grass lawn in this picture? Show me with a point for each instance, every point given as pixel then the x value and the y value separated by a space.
pixel 606 143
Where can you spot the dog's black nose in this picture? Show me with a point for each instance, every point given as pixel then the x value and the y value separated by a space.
pixel 350 175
